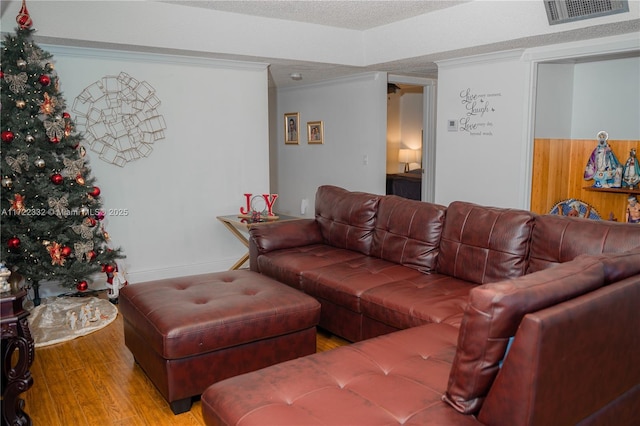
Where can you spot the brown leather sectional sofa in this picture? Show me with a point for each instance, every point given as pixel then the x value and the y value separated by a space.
pixel 463 315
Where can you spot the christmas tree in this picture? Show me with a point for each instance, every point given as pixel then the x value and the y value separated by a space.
pixel 51 207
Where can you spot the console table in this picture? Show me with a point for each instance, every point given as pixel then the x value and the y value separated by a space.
pixel 18 352
pixel 239 226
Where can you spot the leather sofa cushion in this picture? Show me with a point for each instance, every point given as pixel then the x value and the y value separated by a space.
pixel 493 315
pixel 408 232
pixel 346 219
pixel 344 283
pixel 618 266
pixel 417 300
pixel 393 379
pixel 287 265
pixel 278 235
pixel 559 239
pixel 484 244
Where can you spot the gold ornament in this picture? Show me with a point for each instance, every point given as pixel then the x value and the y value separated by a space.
pixel 21 104
pixel 7 182
pixel 80 180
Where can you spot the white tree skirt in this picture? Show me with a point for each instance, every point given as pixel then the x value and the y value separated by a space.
pixel 58 319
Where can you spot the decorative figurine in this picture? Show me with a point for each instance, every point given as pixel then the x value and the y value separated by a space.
pixel 633 210
pixel 115 281
pixel 72 319
pixel 5 273
pixel 631 172
pixel 603 166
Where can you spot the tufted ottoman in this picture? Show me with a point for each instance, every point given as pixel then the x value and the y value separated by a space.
pixel 188 333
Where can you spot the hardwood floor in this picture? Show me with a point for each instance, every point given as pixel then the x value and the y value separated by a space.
pixel 93 380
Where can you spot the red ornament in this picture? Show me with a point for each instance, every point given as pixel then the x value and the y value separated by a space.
pixel 82 286
pixel 66 115
pixel 23 19
pixel 8 136
pixel 1 74
pixel 13 242
pixel 90 222
pixel 91 255
pixel 109 269
pixel 57 178
pixel 65 251
pixel 54 140
pixel 95 192
pixel 44 79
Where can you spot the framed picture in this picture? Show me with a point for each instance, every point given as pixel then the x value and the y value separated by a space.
pixel 291 128
pixel 315 132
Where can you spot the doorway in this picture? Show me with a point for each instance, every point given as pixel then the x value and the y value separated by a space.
pixel 411 104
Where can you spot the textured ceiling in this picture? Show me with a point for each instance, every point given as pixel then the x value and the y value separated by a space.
pixel 356 15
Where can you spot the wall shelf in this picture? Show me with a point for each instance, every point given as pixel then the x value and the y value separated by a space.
pixel 612 190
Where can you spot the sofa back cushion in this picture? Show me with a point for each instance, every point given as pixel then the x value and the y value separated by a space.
pixel 492 316
pixel 408 232
pixel 558 239
pixel 484 244
pixel 618 266
pixel 346 219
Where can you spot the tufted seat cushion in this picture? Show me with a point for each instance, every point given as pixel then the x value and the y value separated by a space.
pixel 396 379
pixel 189 332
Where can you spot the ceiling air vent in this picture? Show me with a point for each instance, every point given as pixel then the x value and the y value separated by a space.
pixel 561 11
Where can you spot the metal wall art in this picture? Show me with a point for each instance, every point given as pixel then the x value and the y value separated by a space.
pixel 119 118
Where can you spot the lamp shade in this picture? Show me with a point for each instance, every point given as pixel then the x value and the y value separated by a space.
pixel 406 155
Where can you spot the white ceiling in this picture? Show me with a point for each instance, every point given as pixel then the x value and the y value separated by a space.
pixel 351 14
pixel 327 22
pixel 364 15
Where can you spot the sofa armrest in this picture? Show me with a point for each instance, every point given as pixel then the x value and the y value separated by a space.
pixel 280 235
pixel 573 361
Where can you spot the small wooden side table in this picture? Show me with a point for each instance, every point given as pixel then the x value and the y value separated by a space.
pixel 18 353
pixel 239 226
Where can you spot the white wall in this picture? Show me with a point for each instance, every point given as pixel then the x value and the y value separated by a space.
pixel 481 161
pixel 394 133
pixel 554 100
pixel 606 96
pixel 215 149
pixel 353 111
pixel 576 101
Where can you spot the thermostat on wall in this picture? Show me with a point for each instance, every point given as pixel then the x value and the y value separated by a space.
pixel 452 125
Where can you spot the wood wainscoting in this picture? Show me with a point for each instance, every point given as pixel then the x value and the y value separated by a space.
pixel 558 174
